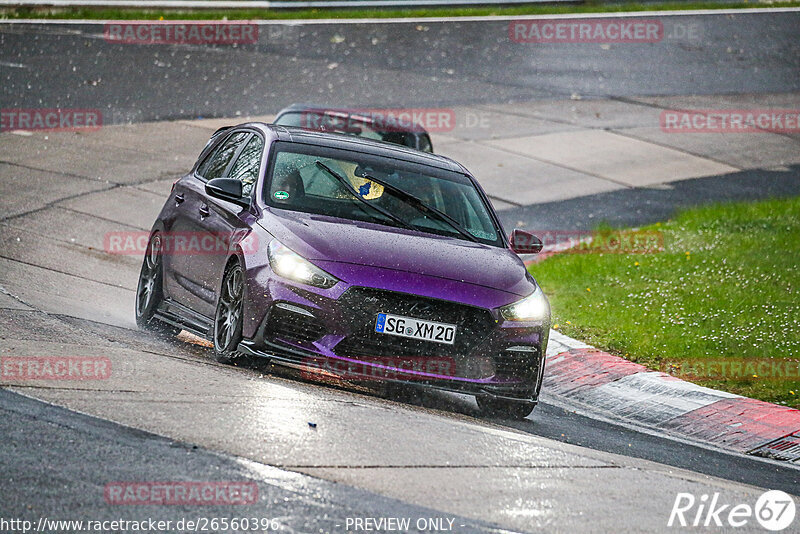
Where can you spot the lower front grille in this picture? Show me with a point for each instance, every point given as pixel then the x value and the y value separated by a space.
pixel 363 348
pixel 473 325
pixel 521 364
pixel 293 324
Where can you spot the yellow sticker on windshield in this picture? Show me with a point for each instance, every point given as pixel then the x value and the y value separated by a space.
pixel 367 189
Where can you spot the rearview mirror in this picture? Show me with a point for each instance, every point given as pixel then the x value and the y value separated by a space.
pixel 523 242
pixel 228 189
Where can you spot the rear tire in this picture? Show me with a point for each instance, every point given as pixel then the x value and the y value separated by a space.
pixel 504 408
pixel 149 292
pixel 228 317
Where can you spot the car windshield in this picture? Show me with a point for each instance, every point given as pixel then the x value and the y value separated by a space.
pixel 315 180
pixel 347 124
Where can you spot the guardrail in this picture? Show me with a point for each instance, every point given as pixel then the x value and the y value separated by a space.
pixel 264 4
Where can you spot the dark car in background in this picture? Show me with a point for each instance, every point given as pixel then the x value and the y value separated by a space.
pixel 371 124
pixel 352 257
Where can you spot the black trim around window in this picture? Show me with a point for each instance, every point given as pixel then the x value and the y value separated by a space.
pixel 209 150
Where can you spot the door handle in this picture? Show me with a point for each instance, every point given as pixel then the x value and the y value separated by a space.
pixel 204 212
pixel 179 199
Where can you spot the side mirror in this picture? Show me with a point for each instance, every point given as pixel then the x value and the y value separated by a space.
pixel 523 242
pixel 227 189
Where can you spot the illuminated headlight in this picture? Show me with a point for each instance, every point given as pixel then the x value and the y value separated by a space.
pixel 534 307
pixel 291 265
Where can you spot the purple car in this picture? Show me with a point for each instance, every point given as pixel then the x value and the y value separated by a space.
pixel 351 258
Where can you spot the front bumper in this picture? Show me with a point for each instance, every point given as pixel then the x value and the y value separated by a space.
pixel 333 331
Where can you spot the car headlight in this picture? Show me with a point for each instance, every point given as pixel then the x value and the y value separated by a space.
pixel 289 264
pixel 534 307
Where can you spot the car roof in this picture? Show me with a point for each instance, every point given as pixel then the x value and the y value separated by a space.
pixel 363 115
pixel 360 144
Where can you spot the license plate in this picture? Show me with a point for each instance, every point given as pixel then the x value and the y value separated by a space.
pixel 398 325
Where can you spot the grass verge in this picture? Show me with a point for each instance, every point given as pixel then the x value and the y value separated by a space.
pixel 286 14
pixel 719 307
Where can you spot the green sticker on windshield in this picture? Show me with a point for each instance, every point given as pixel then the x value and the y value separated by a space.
pixel 280 195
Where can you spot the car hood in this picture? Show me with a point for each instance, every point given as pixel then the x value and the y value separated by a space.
pixel 332 240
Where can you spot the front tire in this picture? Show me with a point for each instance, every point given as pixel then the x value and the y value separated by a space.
pixel 505 408
pixel 149 292
pixel 228 317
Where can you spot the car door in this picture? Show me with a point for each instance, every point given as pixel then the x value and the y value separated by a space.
pixel 186 256
pixel 228 221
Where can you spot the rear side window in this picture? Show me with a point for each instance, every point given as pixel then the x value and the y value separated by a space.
pixel 215 163
pixel 248 164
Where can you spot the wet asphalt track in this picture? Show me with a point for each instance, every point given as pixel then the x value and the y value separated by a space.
pixel 73 456
pixel 58 462
pixel 389 64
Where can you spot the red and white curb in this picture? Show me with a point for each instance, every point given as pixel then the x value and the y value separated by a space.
pixel 629 392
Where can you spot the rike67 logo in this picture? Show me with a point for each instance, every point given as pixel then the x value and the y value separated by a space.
pixel 774 510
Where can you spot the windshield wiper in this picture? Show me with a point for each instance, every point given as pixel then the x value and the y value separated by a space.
pixel 350 189
pixel 422 206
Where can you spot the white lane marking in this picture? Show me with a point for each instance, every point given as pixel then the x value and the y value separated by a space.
pixel 554 348
pixel 13 65
pixel 651 397
pixel 592 412
pixel 568 341
pixel 298 22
